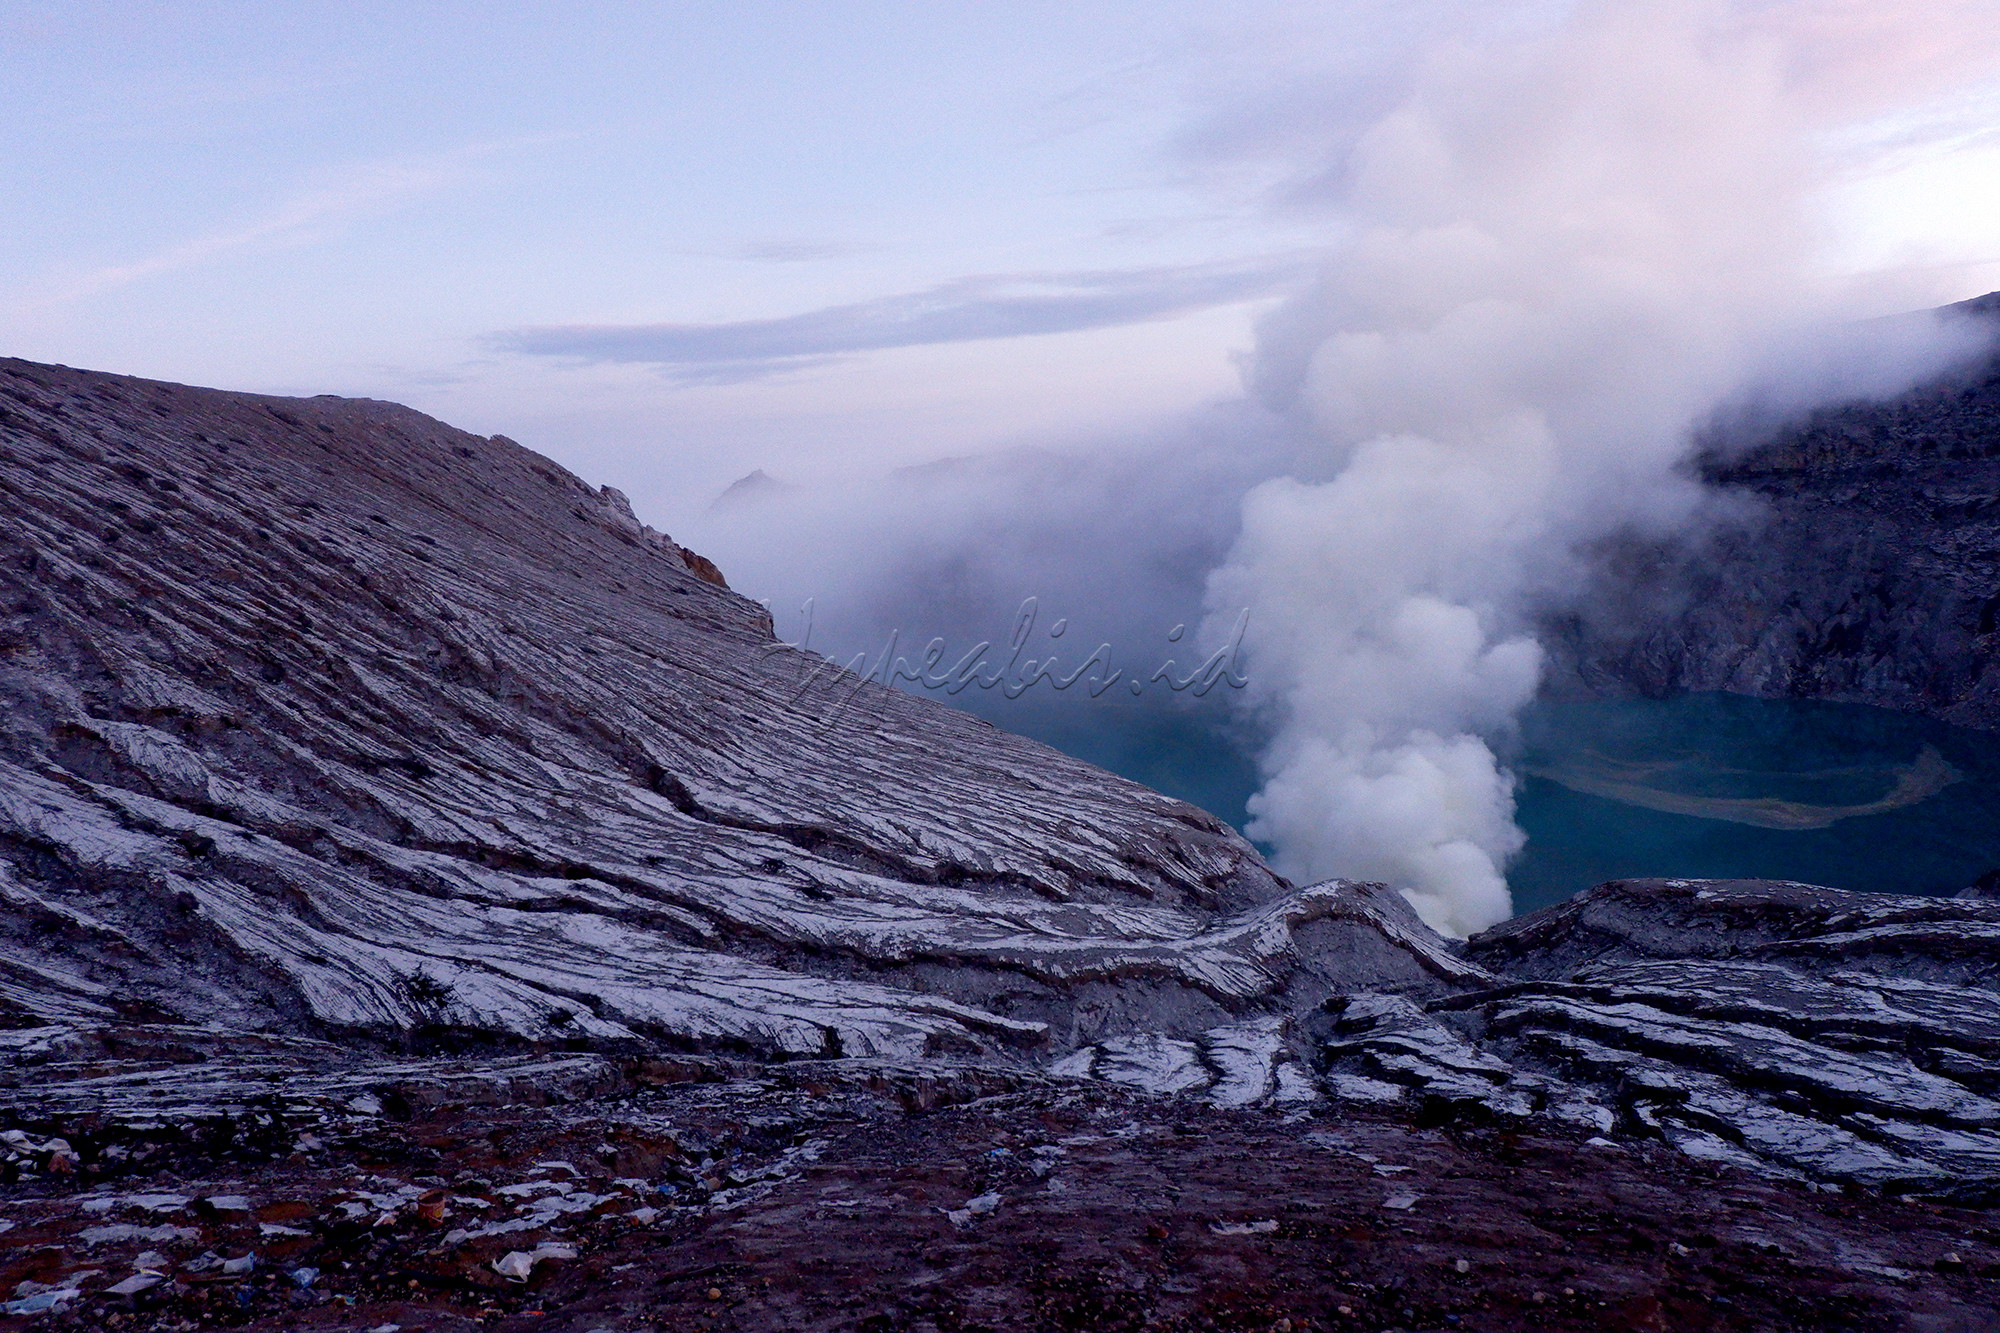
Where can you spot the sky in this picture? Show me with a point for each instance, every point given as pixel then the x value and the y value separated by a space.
pixel 668 243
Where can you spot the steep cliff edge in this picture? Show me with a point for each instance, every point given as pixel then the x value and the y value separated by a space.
pixel 1866 568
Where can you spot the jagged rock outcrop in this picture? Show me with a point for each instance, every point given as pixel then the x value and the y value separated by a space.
pixel 321 718
pixel 1865 567
pixel 1844 1038
pixel 1841 1038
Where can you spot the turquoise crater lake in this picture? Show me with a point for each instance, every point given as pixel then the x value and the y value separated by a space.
pixel 1716 786
pixel 1701 786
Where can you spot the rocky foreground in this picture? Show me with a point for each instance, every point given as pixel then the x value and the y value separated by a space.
pixel 583 1194
pixel 428 896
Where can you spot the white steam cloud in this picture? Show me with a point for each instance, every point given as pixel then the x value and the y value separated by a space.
pixel 1565 251
pixel 1568 252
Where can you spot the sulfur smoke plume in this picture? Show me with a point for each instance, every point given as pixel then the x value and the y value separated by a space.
pixel 1565 253
pixel 1561 251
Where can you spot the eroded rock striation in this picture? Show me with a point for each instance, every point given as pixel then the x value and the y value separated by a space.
pixel 357 772
pixel 322 718
pixel 1841 1038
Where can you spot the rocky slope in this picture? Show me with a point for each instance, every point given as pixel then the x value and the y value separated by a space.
pixel 365 784
pixel 323 718
pixel 1865 566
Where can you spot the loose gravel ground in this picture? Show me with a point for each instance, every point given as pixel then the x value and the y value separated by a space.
pixel 833 1197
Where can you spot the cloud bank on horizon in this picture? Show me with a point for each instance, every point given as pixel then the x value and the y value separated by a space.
pixel 965 310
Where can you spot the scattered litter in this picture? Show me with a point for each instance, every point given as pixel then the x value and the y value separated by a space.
pixel 974 1207
pixel 280 1229
pixel 19 1145
pixel 1401 1202
pixel 515 1265
pixel 243 1264
pixel 135 1284
pixel 1382 1170
pixel 1259 1228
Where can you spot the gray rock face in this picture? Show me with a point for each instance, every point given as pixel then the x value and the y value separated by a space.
pixel 1866 568
pixel 319 717
pixel 325 729
pixel 1843 1038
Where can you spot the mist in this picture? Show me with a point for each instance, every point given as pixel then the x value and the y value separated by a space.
pixel 1556 259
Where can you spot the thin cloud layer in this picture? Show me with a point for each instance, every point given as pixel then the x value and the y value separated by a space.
pixel 967 310
pixel 355 193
